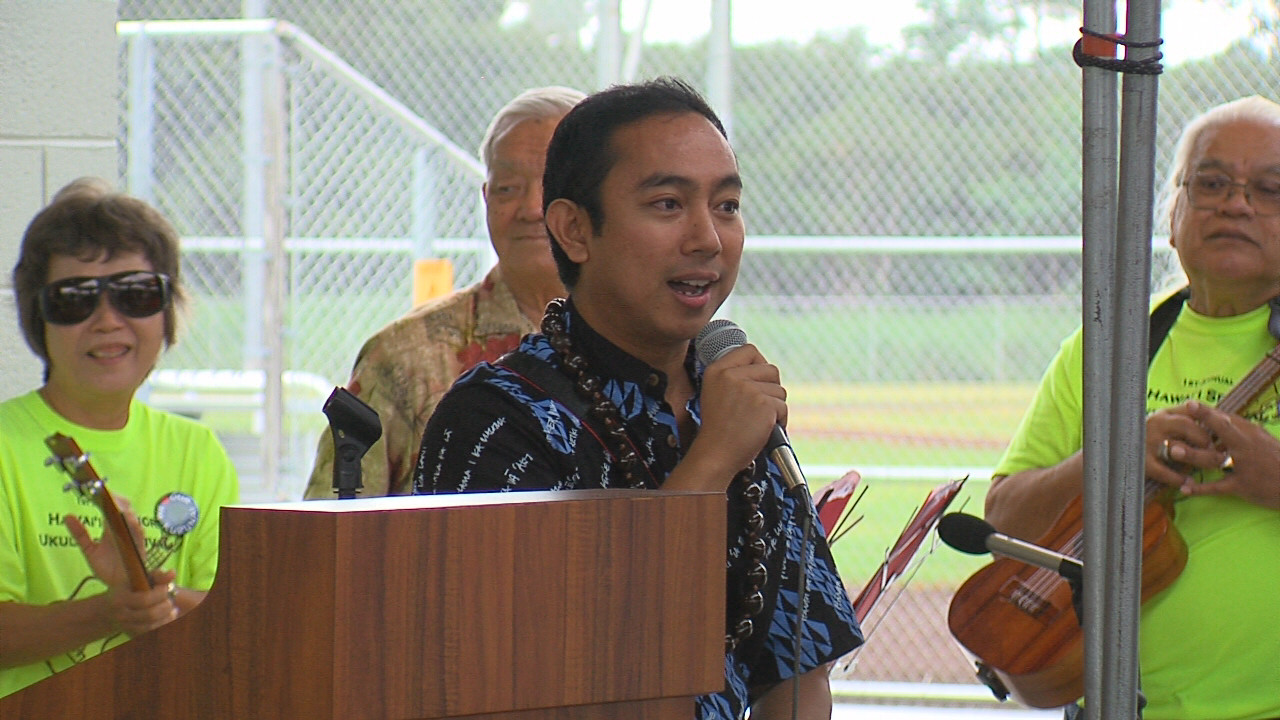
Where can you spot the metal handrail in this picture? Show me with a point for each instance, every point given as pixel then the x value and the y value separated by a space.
pixel 310 48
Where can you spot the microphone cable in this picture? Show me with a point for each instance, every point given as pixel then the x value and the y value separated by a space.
pixel 802 581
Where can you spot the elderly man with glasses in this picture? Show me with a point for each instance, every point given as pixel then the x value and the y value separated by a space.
pixel 1209 639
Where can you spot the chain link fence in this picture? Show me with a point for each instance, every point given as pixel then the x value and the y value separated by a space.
pixel 913 257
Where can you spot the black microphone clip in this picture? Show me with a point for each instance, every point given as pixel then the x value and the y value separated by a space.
pixel 355 427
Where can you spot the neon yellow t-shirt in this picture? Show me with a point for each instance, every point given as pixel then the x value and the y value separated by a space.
pixel 156 453
pixel 1210 643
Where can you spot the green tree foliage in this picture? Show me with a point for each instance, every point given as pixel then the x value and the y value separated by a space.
pixel 958 28
pixel 951 25
pixel 973 150
pixel 835 136
pixel 1265 21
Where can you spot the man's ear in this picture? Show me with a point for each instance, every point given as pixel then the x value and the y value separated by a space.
pixel 570 227
pixel 1175 218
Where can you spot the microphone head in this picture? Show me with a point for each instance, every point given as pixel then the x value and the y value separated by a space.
pixel 965 533
pixel 352 416
pixel 717 338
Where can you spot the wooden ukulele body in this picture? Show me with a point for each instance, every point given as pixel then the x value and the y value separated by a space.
pixel 1019 620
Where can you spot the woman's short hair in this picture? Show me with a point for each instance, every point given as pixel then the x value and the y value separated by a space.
pixel 88 220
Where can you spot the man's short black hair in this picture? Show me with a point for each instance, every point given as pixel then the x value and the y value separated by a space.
pixel 581 153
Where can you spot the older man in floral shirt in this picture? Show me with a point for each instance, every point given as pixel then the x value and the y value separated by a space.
pixel 404 369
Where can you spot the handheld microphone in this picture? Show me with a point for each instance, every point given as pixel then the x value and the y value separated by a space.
pixel 714 340
pixel 975 536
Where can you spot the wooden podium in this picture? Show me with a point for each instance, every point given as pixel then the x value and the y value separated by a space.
pixel 565 605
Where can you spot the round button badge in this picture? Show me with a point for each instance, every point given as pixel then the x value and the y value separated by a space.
pixel 177 513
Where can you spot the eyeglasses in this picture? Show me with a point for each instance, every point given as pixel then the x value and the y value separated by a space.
pixel 134 293
pixel 1207 191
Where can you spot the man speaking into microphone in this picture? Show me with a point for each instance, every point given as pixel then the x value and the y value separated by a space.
pixel 642 199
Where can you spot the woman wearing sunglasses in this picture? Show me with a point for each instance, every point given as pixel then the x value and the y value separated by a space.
pixel 96 284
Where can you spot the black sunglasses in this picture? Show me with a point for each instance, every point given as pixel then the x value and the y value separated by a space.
pixel 134 293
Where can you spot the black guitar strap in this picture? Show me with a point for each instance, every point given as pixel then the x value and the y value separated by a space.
pixel 560 388
pixel 1162 319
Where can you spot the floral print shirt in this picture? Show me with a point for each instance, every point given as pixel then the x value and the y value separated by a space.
pixel 406 367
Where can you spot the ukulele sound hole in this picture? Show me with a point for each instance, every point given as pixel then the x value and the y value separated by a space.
pixel 1027 599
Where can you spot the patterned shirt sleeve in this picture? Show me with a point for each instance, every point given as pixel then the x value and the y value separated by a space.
pixel 481 439
pixel 830 628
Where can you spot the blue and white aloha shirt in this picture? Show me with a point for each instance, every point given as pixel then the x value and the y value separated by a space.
pixel 496 431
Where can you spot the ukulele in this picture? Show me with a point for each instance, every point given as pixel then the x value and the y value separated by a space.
pixel 1018 620
pixel 68 456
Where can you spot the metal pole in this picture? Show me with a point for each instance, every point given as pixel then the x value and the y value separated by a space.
pixel 720 62
pixel 252 193
pixel 424 215
pixel 720 83
pixel 1123 586
pixel 275 291
pixel 1098 226
pixel 609 43
pixel 142 118
pixel 253 280
pixel 635 45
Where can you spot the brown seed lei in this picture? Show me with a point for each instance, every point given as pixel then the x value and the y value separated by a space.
pixel 591 388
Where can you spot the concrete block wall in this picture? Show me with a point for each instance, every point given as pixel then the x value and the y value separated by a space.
pixel 58 110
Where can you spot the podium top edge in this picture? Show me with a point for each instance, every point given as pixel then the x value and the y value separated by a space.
pixel 454 500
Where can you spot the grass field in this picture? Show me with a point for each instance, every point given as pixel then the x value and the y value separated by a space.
pixel 943 339
pixel 936 425
pixel 836 427
pixel 886 508
pixel 910 424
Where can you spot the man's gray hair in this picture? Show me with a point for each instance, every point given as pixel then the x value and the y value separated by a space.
pixel 1254 108
pixel 534 104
